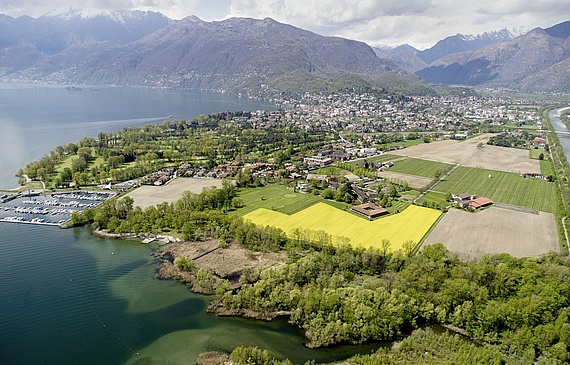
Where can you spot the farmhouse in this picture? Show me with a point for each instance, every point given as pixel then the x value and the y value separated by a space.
pixel 539 142
pixel 480 202
pixel 369 210
pixel 462 199
pixel 364 196
pixel 384 165
pixel 317 177
pixel 467 200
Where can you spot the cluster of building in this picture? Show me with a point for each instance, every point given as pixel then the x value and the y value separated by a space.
pixel 467 200
pixel 368 113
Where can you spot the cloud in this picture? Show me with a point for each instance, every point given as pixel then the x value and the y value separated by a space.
pixel 327 13
pixel 420 23
pixel 519 7
pixel 172 8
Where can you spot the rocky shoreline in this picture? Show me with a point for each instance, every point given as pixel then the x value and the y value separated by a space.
pixel 216 308
pixel 144 238
pixel 223 263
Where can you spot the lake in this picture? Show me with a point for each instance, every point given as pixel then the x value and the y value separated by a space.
pixel 70 298
pixel 34 119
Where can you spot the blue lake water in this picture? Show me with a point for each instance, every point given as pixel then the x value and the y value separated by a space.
pixel 34 119
pixel 67 297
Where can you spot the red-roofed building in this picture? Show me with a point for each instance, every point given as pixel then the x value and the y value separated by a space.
pixel 480 202
pixel 370 210
pixel 539 142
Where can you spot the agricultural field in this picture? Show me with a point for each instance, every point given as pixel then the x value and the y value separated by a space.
pixel 496 230
pixel 416 172
pixel 417 167
pixel 448 151
pixel 410 225
pixel 147 195
pixel 414 181
pixel 274 197
pixel 503 159
pixel 374 159
pixel 504 187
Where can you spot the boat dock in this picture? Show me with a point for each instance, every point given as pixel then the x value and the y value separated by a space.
pixel 35 221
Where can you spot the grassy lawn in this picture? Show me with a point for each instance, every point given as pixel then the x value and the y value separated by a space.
pixel 546 168
pixel 398 206
pixel 65 163
pixel 417 167
pixel 274 197
pixel 99 160
pixel 435 198
pixel 504 187
pixel 409 225
pixel 534 153
pixel 331 171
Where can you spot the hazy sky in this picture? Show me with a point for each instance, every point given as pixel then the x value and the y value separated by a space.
pixel 420 23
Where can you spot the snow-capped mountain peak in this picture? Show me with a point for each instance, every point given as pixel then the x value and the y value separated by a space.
pixel 118 16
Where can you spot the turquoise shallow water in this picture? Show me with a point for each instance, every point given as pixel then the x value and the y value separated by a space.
pixel 70 298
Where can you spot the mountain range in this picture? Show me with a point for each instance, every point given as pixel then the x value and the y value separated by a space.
pixel 536 61
pixel 241 55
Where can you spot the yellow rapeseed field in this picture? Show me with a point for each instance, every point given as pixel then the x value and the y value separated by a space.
pixel 410 225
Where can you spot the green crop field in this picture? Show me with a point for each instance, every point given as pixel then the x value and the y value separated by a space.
pixel 418 167
pixel 504 187
pixel 274 197
pixel 409 225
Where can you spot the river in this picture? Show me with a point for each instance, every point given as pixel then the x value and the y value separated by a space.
pixel 70 298
pixel 558 126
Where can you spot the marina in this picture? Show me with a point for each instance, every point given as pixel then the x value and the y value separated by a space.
pixel 49 209
pixel 37 221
